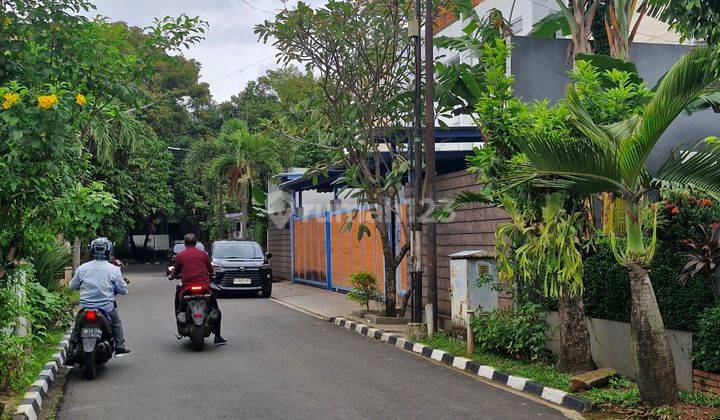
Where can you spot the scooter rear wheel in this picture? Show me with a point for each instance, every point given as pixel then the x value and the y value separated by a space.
pixel 197 337
pixel 89 367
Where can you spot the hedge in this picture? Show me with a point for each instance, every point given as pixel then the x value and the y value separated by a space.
pixel 607 288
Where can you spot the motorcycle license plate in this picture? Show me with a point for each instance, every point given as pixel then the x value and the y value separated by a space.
pixel 91 332
pixel 241 280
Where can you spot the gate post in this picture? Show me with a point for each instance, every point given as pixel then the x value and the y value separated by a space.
pixel 328 251
pixel 292 246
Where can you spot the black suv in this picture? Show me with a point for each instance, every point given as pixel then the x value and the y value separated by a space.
pixel 241 266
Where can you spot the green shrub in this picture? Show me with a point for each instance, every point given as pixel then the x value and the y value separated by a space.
pixel 607 288
pixel 520 332
pixel 13 352
pixel 50 261
pixel 49 311
pixel 706 350
pixel 365 289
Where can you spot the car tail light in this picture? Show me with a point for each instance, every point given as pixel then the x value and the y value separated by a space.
pixel 196 290
pixel 90 316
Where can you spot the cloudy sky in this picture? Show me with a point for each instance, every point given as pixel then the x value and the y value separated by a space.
pixel 230 55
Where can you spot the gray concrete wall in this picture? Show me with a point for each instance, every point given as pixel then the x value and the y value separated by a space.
pixel 610 346
pixel 540 68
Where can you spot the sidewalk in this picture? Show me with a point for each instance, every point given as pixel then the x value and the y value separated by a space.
pixel 321 302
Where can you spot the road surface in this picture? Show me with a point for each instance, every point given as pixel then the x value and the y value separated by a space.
pixel 279 363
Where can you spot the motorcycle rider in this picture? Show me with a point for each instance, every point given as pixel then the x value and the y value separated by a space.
pixel 99 281
pixel 192 266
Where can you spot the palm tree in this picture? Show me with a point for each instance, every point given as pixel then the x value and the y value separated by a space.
pixel 236 158
pixel 612 159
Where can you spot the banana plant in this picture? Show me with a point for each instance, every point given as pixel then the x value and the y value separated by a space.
pixel 574 21
pixel 611 158
pixel 619 27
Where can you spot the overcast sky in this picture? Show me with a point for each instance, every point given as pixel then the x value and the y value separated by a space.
pixel 230 44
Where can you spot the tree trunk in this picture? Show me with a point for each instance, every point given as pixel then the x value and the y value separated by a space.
pixel 133 246
pixel 650 346
pixel 244 212
pixel 390 269
pixel 575 355
pixel 76 254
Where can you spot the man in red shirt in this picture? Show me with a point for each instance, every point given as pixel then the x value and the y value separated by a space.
pixel 193 266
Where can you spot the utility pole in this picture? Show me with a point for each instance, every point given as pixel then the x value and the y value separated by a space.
pixel 416 174
pixel 429 146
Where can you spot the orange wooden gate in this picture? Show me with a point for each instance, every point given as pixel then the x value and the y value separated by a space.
pixel 325 253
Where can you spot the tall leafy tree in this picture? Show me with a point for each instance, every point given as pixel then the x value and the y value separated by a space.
pixel 611 158
pixel 692 19
pixel 80 75
pixel 359 52
pixel 236 159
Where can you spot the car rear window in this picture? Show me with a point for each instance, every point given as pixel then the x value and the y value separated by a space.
pixel 239 250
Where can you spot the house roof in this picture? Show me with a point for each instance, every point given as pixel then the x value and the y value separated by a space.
pixel 452 145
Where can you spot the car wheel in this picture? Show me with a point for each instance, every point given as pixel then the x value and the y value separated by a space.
pixel 266 290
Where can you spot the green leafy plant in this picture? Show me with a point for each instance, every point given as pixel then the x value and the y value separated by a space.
pixel 706 353
pixel 48 311
pixel 13 353
pixel 607 289
pixel 521 332
pixel 611 158
pixel 50 260
pixel 365 289
pixel 620 393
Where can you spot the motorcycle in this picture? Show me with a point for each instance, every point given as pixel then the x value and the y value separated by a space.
pixel 194 318
pixel 95 345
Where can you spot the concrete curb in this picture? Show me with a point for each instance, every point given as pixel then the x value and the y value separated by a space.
pixel 552 395
pixel 31 404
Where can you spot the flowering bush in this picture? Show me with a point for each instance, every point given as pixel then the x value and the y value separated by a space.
pixel 685 213
pixel 41 153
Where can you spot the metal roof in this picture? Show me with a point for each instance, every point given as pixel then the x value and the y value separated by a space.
pixel 448 159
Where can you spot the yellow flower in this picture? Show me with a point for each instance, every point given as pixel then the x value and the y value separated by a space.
pixel 80 99
pixel 10 99
pixel 47 101
pixel 8 21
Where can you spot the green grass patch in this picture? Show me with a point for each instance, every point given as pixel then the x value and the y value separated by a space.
pixel 701 398
pixel 41 352
pixel 620 393
pixel 535 371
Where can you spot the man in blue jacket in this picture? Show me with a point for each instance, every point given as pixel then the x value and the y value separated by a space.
pixel 99 281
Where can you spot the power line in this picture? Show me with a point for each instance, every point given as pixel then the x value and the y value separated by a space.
pixel 257 8
pixel 241 69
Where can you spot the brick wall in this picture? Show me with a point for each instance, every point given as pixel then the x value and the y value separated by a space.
pixel 706 382
pixel 446 18
pixel 278 242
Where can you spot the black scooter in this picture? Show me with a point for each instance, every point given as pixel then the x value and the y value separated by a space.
pixel 95 344
pixel 193 316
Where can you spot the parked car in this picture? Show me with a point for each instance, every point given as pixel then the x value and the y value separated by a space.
pixel 241 266
pixel 176 248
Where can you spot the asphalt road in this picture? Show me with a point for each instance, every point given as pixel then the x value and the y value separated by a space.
pixel 279 363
